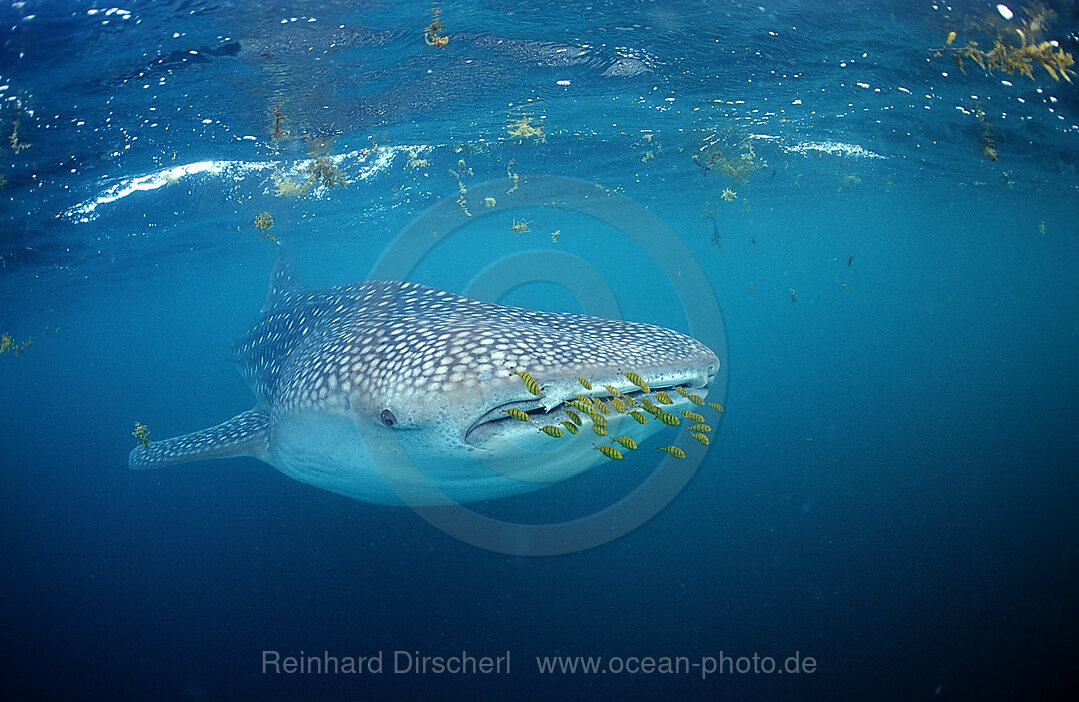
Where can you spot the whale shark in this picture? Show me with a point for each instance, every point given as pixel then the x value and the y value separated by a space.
pixel 393 392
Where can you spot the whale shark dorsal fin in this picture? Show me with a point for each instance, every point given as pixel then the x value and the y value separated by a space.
pixel 246 434
pixel 282 280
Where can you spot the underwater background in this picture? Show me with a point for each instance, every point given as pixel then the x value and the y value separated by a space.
pixel 892 239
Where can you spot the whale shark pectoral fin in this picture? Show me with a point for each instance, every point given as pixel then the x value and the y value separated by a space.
pixel 282 280
pixel 246 434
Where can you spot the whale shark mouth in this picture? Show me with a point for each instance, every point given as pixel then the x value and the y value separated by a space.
pixel 498 422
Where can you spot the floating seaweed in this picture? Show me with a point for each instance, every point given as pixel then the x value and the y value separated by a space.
pixel 8 345
pixel 16 144
pixel 142 434
pixel 278 131
pixel 414 160
pixel 459 174
pixel 987 143
pixel 263 222
pixel 1016 48
pixel 431 35
pixel 515 177
pixel 522 128
pixel 710 215
pixel 326 173
pixel 320 171
pixel 738 166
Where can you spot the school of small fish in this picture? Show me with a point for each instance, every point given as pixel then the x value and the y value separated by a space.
pixel 596 411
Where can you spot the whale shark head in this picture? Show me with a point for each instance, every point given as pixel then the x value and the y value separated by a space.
pixel 394 392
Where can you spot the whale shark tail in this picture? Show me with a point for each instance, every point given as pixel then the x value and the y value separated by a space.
pixel 246 434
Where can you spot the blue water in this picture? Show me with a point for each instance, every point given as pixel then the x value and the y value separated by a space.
pixel 892 490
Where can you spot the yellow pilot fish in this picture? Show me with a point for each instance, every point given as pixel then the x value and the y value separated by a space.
pixel 673 450
pixel 610 452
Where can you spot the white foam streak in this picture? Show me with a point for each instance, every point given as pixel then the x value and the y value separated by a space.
pixel 371 161
pixel 835 148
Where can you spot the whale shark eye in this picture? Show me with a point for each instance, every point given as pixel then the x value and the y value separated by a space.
pixel 387 418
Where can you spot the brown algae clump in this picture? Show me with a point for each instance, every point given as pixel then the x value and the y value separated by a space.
pixel 523 128
pixel 1016 49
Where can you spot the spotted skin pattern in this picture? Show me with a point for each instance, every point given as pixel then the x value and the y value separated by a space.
pixel 409 340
